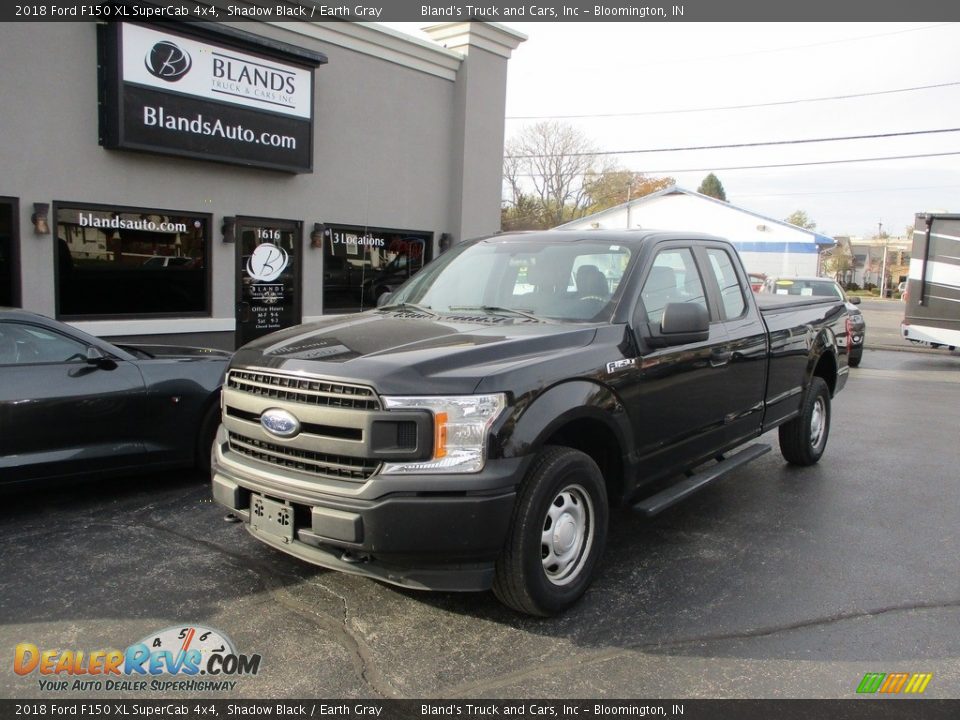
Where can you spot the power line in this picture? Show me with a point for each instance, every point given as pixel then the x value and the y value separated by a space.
pixel 844 192
pixel 774 165
pixel 732 107
pixel 838 41
pixel 738 145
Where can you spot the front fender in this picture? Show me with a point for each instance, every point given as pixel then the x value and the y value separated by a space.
pixel 546 413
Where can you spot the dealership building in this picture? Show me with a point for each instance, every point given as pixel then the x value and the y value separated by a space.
pixel 209 183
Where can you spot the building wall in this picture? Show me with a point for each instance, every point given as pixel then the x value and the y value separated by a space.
pixel 384 136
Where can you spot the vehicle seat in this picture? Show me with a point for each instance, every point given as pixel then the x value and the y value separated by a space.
pixel 659 289
pixel 592 283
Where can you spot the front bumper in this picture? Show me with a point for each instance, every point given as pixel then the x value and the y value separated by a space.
pixel 430 532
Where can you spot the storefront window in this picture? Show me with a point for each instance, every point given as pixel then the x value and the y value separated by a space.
pixel 360 264
pixel 9 272
pixel 131 262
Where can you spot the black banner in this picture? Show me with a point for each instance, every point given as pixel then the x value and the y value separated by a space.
pixel 496 11
pixel 854 709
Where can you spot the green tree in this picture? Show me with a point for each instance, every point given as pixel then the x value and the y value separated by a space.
pixel 837 263
pixel 800 219
pixel 712 186
pixel 525 213
pixel 614 187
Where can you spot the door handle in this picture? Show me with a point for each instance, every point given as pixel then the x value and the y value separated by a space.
pixel 719 358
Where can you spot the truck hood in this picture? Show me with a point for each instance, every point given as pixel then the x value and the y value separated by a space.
pixel 399 354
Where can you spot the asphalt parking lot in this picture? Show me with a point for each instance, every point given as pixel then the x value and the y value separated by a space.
pixel 774 582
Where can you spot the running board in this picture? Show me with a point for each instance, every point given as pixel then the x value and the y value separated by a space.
pixel 675 493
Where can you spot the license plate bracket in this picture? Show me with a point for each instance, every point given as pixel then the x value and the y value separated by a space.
pixel 272 518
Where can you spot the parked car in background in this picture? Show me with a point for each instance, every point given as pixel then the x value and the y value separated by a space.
pixel 825 287
pixel 756 281
pixel 72 404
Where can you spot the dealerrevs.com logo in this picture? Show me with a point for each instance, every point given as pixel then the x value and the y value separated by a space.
pixel 169 660
pixel 168 61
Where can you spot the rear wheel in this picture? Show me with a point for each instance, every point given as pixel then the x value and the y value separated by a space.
pixel 557 535
pixel 803 439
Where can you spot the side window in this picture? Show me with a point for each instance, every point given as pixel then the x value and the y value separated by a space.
pixel 730 291
pixel 32 345
pixel 673 278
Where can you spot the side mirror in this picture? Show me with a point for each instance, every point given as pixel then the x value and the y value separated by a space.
pixel 684 323
pixel 854 299
pixel 96 358
pixel 384 299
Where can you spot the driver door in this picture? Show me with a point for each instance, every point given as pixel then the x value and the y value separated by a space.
pixel 59 414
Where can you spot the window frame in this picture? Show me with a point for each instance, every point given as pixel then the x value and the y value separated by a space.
pixel 207 312
pixel 26 327
pixel 704 250
pixel 640 315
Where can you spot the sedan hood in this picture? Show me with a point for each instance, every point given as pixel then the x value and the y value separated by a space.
pixel 408 354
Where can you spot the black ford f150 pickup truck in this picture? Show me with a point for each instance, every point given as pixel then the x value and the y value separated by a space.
pixel 473 431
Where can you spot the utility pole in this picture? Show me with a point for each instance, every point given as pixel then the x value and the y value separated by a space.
pixel 883 265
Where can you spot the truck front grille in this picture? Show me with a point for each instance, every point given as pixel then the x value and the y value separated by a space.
pixel 303 390
pixel 337 467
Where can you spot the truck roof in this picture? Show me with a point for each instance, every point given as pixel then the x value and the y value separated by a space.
pixel 624 237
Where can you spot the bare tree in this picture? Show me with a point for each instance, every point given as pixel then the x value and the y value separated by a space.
pixel 557 162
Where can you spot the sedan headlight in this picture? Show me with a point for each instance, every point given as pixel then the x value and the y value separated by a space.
pixel 461 425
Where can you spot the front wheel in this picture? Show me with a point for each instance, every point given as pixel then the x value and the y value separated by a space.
pixel 557 534
pixel 803 439
pixel 206 435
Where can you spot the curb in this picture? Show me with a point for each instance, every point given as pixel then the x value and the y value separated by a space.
pixel 917 349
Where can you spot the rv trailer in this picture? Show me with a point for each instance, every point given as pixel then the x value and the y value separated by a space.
pixel 932 312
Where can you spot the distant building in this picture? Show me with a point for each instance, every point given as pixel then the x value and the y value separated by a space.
pixel 870 264
pixel 768 246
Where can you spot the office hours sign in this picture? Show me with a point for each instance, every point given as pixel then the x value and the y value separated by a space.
pixel 268 276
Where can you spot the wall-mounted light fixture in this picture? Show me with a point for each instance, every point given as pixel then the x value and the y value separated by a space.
pixel 41 218
pixel 229 229
pixel 446 240
pixel 316 237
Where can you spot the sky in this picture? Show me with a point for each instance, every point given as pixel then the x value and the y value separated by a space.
pixel 626 77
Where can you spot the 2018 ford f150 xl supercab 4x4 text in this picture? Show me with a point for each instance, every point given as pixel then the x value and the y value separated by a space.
pixel 473 431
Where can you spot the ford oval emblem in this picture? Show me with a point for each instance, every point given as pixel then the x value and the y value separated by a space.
pixel 280 423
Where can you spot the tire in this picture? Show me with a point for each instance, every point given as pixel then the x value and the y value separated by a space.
pixel 563 491
pixel 206 436
pixel 803 439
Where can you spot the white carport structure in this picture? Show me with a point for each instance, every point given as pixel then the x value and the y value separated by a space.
pixel 768 246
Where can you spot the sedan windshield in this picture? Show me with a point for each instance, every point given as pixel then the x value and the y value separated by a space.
pixel 799 286
pixel 562 280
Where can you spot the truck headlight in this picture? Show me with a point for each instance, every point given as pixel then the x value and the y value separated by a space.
pixel 461 425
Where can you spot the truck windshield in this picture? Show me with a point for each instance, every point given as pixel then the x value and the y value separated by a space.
pixel 558 280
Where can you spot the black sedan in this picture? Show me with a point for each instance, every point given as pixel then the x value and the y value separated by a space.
pixel 825 287
pixel 72 404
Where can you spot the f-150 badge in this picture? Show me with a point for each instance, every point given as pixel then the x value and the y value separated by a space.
pixel 612 367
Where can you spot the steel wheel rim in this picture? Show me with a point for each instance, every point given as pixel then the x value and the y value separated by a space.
pixel 817 422
pixel 567 535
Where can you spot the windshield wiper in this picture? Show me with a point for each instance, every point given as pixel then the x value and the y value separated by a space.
pixel 408 307
pixel 497 309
